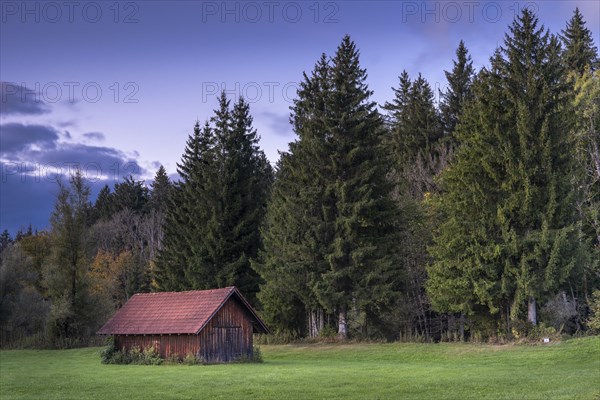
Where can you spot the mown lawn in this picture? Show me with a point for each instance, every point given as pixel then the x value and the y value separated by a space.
pixel 567 370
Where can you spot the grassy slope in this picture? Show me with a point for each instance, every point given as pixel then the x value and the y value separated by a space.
pixel 569 370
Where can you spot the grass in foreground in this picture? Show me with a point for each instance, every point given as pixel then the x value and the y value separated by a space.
pixel 568 370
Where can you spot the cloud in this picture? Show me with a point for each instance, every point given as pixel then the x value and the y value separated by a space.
pixel 97 136
pixel 279 123
pixel 67 124
pixel 96 162
pixel 17 138
pixel 40 144
pixel 19 99
pixel 34 158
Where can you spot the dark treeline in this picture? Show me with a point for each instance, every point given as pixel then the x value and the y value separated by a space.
pixel 478 217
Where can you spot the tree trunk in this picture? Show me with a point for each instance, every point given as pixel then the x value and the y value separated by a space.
pixel 320 321
pixel 342 325
pixel 532 311
pixel 461 327
pixel 316 322
pixel 595 153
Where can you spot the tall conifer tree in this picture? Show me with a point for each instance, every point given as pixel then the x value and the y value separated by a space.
pixel 342 230
pixel 579 50
pixel 458 92
pixel 161 187
pixel 507 239
pixel 183 258
pixel 215 211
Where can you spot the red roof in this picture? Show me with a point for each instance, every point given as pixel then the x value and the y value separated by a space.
pixel 171 312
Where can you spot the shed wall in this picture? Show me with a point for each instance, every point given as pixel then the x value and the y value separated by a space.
pixel 226 337
pixel 165 345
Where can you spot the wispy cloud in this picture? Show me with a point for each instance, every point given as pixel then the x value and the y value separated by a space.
pixel 279 123
pixel 96 136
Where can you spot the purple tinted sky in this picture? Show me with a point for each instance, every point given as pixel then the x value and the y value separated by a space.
pixel 116 87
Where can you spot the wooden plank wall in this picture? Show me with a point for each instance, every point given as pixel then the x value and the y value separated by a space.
pixel 227 336
pixel 165 345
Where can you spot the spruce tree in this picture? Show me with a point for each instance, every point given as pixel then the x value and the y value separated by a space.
pixel 414 136
pixel 330 235
pixel 580 57
pixel 299 222
pixel 415 124
pixel 579 50
pixel 131 195
pixel 418 152
pixel 507 237
pixel 103 207
pixel 160 188
pixel 183 258
pixel 292 259
pixel 215 211
pixel 5 241
pixel 361 263
pixel 586 137
pixel 243 182
pixel 458 92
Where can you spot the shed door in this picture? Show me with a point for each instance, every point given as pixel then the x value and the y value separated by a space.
pixel 228 343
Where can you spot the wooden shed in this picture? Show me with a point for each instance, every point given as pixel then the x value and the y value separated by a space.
pixel 216 325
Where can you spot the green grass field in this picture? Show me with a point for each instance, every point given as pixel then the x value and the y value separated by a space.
pixel 567 370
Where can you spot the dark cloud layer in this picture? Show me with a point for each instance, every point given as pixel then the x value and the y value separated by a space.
pixel 20 100
pixel 34 159
pixel 16 138
pixel 107 161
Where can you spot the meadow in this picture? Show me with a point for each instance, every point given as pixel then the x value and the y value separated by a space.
pixel 562 370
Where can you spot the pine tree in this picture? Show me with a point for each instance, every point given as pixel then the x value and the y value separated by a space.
pixel 507 237
pixel 458 92
pixel 579 50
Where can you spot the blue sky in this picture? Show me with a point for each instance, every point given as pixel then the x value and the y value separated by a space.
pixel 115 87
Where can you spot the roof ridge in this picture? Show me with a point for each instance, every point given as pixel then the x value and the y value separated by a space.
pixel 186 291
